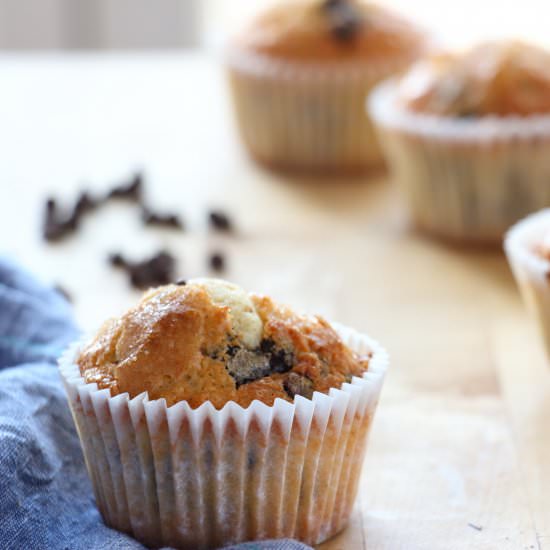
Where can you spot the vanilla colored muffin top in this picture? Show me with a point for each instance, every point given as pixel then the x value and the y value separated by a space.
pixel 330 30
pixel 494 78
pixel 209 340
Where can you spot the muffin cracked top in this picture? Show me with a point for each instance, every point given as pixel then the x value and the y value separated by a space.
pixel 210 341
pixel 494 78
pixel 330 30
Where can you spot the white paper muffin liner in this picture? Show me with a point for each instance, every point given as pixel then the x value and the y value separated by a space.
pixel 203 478
pixel 466 180
pixel 307 116
pixel 531 271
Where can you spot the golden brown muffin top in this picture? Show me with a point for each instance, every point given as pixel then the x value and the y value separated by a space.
pixel 494 78
pixel 210 341
pixel 330 30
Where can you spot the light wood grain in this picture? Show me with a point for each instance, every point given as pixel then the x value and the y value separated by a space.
pixel 459 456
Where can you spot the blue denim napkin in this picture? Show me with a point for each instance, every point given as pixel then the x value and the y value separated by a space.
pixel 46 499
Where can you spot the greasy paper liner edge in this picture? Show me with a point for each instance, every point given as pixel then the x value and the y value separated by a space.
pixel 205 477
pixel 464 180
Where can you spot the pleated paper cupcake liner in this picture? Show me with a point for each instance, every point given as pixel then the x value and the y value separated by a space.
pixel 532 272
pixel 466 180
pixel 200 478
pixel 308 117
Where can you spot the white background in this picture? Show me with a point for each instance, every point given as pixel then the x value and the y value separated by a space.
pixel 149 24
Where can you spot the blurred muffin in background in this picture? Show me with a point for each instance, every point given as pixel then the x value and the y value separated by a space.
pixel 468 138
pixel 299 76
pixel 527 247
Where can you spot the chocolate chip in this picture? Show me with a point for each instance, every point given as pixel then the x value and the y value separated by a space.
pixel 296 384
pixel 281 361
pixel 267 345
pixel 154 271
pixel 167 220
pixel 131 190
pixel 181 282
pixel 219 221
pixel 345 19
pixel 246 366
pixel 217 261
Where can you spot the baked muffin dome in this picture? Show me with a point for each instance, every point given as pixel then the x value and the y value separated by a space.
pixel 494 78
pixel 330 30
pixel 208 340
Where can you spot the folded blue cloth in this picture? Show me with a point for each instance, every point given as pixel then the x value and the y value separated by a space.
pixel 46 499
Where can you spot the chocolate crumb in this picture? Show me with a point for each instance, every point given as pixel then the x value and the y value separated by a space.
pixel 154 271
pixel 219 221
pixel 296 384
pixel 476 527
pixel 167 220
pixel 181 282
pixel 217 261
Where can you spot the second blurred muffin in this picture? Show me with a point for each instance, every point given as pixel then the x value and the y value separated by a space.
pixel 299 76
pixel 468 137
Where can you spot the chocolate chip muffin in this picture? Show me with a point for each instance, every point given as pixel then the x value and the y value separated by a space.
pixel 467 135
pixel 210 341
pixel 300 73
pixel 210 416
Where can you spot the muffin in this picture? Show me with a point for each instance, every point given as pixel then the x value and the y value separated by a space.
pixel 299 74
pixel 468 138
pixel 527 247
pixel 210 416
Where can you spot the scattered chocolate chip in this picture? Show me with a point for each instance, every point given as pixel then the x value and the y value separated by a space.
pixel 219 220
pixel 63 291
pixel 296 384
pixel 154 271
pixel 131 190
pixel 84 204
pixel 117 260
pixel 181 282
pixel 167 220
pixel 345 19
pixel 217 261
pixel 54 228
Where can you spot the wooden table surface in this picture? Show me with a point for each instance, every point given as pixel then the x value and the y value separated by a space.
pixel 459 456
